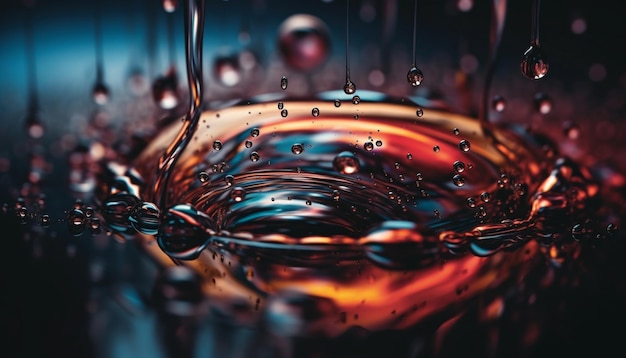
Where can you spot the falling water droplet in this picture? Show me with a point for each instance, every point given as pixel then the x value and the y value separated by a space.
pixel 349 87
pixel 485 197
pixel 217 145
pixel 303 42
pixel 436 149
pixel 280 105
pixel 248 144
pixel 255 132
pixel 456 131
pixel 459 166
pixel 419 112
pixel 315 112
pixel 415 76
pixel 368 146
pixel 254 156
pixel 346 163
pixel 356 100
pixel 76 221
pixel 337 103
pixel 534 62
pixel 284 113
pixel 100 93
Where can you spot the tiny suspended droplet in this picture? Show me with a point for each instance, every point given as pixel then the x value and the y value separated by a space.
pixel 248 144
pixel 415 76
pixel 458 180
pixel 255 132
pixel 571 130
pixel 349 87
pixel 436 149
pixel 485 197
pixel 254 156
pixel 217 145
pixel 369 146
pixel 534 62
pixel 280 105
pixel 76 221
pixel 498 103
pixel 315 112
pixel 203 177
pixel 356 100
pixel 464 145
pixel 379 143
pixel 456 131
pixel 238 194
pixel 337 103
pixel 284 113
pixel 100 93
pixel 346 163
pixel 543 103
pixel 459 166
pixel 419 112
pixel 283 83
pixel 297 148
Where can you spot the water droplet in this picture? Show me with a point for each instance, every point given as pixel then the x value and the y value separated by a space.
pixel 144 217
pixel 280 105
pixel 170 5
pixel 409 156
pixel 337 103
pixel 248 144
pixel 458 180
pixel 254 156
pixel 284 113
pixel 100 94
pixel 368 146
pixel 315 112
pixel 498 103
pixel 76 221
pixel 456 131
pixel 297 148
pixel 459 166
pixel 303 42
pixel 255 132
pixel 356 116
pixel 227 70
pixel 349 87
pixel 185 232
pixel 419 112
pixel 346 163
pixel 379 143
pixel 485 197
pixel 217 145
pixel 45 220
pixel 471 202
pixel 356 100
pixel 117 211
pixel 415 76
pixel 543 103
pixel 238 194
pixel 464 145
pixel 436 149
pixel 229 179
pixel 336 195
pixel 571 130
pixel 283 83
pixel 203 177
pixel 534 62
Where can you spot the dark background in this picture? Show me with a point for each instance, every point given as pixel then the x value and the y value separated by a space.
pixel 47 289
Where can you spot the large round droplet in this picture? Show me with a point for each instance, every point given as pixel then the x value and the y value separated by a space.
pixel 534 63
pixel 346 163
pixel 303 42
pixel 144 217
pixel 185 232
pixel 117 210
pixel 415 76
